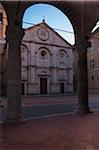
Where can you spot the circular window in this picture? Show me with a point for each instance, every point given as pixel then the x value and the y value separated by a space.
pixel 62 54
pixel 43 53
pixel 43 34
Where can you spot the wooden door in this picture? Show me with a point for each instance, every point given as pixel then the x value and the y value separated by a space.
pixel 22 88
pixel 61 88
pixel 43 85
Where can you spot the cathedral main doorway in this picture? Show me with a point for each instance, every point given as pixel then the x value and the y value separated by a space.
pixel 43 85
pixel 62 88
pixel 22 89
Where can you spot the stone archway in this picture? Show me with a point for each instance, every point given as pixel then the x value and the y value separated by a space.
pixel 82 19
pixel 3 24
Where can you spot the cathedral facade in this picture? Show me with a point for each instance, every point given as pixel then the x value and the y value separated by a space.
pixel 47 62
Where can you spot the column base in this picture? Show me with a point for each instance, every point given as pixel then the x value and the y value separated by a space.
pixel 14 121
pixel 84 111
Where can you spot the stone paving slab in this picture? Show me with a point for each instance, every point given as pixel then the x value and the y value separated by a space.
pixel 55 99
pixel 68 132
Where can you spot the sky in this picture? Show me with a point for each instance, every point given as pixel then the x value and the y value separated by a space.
pixel 54 17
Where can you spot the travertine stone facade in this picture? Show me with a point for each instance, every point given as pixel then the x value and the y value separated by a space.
pixel 47 62
pixel 93 62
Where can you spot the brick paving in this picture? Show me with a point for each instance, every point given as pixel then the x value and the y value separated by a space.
pixel 68 132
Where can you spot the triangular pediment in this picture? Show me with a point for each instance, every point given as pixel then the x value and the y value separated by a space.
pixel 42 33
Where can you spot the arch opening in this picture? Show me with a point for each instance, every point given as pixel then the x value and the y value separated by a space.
pixel 3 22
pixel 48 27
pixel 96 26
pixel 53 16
pixel 3 51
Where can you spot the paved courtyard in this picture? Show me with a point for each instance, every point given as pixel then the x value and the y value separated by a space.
pixel 68 132
pixel 44 106
pixel 49 99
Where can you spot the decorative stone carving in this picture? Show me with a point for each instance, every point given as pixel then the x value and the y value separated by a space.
pixel 43 34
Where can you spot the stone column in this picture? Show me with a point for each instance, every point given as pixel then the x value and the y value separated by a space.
pixel 83 106
pixel 14 37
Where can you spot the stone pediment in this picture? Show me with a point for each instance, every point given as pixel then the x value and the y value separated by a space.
pixel 44 34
